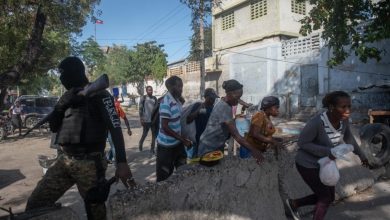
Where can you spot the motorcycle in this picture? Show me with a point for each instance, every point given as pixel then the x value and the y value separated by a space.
pixel 6 127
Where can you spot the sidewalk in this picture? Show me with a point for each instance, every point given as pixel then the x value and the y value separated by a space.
pixel 372 204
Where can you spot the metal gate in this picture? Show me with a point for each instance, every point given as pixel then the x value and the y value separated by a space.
pixel 309 85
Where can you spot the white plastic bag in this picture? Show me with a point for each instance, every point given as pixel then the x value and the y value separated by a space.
pixel 329 173
pixel 188 130
pixel 341 150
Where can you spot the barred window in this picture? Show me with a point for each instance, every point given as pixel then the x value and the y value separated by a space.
pixel 298 7
pixel 228 20
pixel 258 8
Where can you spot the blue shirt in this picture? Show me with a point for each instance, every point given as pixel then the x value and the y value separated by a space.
pixel 170 109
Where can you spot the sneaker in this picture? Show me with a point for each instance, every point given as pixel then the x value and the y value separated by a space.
pixel 292 211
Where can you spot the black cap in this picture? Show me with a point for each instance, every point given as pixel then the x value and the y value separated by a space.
pixel 269 101
pixel 231 85
pixel 209 92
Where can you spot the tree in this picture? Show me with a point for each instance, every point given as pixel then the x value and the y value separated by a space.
pixel 195 42
pixel 35 33
pixel 350 26
pixel 146 60
pixel 92 55
pixel 117 65
pixel 201 9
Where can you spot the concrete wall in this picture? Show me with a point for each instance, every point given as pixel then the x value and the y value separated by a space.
pixel 289 21
pixel 158 88
pixel 263 71
pixel 279 20
pixel 245 29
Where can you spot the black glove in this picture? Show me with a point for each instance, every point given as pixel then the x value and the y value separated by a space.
pixel 69 99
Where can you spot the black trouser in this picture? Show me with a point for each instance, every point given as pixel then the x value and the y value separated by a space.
pixel 148 126
pixel 323 195
pixel 17 122
pixel 169 158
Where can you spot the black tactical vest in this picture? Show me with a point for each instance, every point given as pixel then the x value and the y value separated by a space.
pixel 83 124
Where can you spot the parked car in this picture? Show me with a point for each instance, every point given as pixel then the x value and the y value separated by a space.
pixel 35 108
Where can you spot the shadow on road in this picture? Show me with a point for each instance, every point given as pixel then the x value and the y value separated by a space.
pixel 7 177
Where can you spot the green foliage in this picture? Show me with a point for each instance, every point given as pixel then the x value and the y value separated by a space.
pixel 151 60
pixel 46 84
pixel 91 54
pixel 195 42
pixel 196 15
pixel 350 26
pixel 63 18
pixel 117 65
pixel 123 65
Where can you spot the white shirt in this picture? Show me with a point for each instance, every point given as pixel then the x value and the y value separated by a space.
pixel 333 134
pixel 16 110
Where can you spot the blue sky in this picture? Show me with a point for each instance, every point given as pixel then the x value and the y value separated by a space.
pixel 128 22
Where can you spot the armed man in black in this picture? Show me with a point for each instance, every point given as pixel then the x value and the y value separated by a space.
pixel 82 124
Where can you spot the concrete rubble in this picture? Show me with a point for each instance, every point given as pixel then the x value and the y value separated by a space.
pixel 234 189
pixel 64 213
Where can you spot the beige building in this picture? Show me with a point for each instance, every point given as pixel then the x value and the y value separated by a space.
pixel 240 22
pixel 238 26
pixel 257 42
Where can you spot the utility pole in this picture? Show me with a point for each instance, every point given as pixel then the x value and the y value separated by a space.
pixel 201 37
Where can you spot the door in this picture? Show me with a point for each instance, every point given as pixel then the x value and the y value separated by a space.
pixel 309 85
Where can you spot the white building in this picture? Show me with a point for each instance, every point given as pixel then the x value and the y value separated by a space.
pixel 257 42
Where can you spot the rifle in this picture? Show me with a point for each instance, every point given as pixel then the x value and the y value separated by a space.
pixel 99 84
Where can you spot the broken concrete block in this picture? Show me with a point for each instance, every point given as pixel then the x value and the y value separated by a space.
pixel 353 177
pixel 64 213
pixel 378 173
pixel 234 189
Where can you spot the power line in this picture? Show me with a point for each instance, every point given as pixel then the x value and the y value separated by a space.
pixel 165 43
pixel 180 49
pixel 174 24
pixel 135 39
pixel 286 61
pixel 164 19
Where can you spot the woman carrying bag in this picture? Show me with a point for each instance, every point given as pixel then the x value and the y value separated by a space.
pixel 319 136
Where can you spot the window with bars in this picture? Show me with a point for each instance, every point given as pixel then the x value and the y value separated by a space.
pixel 228 20
pixel 258 8
pixel 298 7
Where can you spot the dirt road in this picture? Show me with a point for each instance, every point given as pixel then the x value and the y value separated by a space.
pixel 20 172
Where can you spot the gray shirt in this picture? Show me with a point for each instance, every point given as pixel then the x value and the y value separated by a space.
pixel 146 106
pixel 314 143
pixel 216 132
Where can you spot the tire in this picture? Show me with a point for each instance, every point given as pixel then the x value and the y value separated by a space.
pixel 375 143
pixel 31 121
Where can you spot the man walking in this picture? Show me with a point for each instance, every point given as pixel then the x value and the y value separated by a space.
pixel 170 143
pixel 15 113
pixel 146 106
pixel 119 110
pixel 82 124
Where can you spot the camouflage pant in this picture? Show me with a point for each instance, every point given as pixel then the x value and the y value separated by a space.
pixel 62 175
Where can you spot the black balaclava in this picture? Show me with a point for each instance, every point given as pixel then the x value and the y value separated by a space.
pixel 72 73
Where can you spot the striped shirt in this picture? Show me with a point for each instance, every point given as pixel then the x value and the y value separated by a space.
pixel 169 109
pixel 334 135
